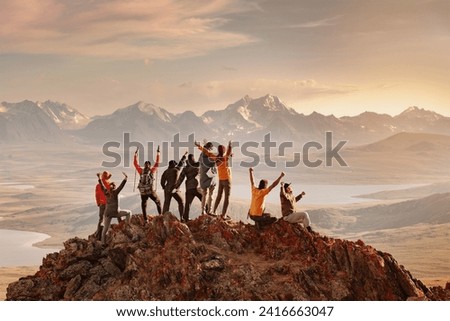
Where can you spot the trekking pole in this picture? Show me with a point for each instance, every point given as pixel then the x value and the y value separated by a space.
pixel 156 180
pixel 135 170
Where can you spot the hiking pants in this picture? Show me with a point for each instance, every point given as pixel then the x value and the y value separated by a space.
pixel 154 197
pixel 263 220
pixel 224 188
pixel 207 199
pixel 168 197
pixel 298 217
pixel 107 221
pixel 190 195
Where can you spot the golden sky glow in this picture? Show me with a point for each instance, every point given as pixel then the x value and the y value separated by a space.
pixel 334 57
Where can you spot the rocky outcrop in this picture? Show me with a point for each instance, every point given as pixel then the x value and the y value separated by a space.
pixel 211 259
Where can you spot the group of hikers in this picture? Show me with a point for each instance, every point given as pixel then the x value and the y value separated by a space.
pixel 200 181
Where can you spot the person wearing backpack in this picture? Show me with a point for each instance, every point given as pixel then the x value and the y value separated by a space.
pixel 208 173
pixel 221 159
pixel 147 182
pixel 169 181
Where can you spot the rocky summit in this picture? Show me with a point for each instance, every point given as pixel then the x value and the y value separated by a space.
pixel 212 259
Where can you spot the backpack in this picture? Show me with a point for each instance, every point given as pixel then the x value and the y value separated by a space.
pixel 146 183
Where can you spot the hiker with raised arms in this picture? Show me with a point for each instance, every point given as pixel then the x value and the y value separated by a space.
pixel 257 207
pixel 169 181
pixel 221 159
pixel 288 206
pixel 147 182
pixel 100 199
pixel 112 204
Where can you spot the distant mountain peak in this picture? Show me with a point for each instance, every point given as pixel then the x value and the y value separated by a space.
pixel 270 103
pixel 26 121
pixel 65 116
pixel 416 112
pixel 413 108
pixel 148 109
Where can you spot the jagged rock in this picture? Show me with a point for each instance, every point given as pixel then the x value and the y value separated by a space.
pixel 211 259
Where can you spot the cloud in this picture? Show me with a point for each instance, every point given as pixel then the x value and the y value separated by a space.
pixel 205 94
pixel 136 29
pixel 289 88
pixel 317 23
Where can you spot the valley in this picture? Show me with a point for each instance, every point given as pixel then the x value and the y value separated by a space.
pixel 392 193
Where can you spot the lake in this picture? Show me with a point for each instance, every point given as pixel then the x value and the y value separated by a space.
pixel 321 194
pixel 16 248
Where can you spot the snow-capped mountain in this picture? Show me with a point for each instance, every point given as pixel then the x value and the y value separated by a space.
pixel 415 112
pixel 64 116
pixel 247 119
pixel 419 119
pixel 247 115
pixel 144 122
pixel 27 122
pixel 188 122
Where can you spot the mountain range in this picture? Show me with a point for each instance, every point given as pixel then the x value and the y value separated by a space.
pixel 246 119
pixel 47 121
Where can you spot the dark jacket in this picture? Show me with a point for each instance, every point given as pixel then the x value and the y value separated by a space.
pixel 112 198
pixel 192 174
pixel 170 176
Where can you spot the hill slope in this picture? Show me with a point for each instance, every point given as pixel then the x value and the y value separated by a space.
pixel 209 259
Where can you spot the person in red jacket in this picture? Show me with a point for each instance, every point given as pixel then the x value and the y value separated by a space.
pixel 100 199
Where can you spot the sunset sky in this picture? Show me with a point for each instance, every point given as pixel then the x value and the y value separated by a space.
pixel 339 57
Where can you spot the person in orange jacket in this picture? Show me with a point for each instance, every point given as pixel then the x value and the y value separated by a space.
pixel 257 211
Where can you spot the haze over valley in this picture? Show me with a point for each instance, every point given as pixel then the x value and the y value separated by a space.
pixel 393 191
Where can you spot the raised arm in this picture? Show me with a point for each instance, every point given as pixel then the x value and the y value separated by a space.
pixel 180 179
pixel 229 151
pixel 282 190
pixel 204 150
pixel 136 164
pixel 278 180
pixel 157 161
pixel 182 160
pixel 299 196
pixel 102 186
pixel 122 185
pixel 252 179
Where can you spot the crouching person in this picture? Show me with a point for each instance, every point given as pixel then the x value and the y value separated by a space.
pixel 112 204
pixel 258 204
